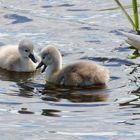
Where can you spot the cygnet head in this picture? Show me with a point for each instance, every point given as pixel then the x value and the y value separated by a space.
pixel 50 55
pixel 26 49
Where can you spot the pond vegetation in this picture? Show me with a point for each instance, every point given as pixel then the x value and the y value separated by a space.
pixel 135 20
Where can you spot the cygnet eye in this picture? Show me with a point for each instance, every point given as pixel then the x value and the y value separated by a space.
pixel 43 57
pixel 26 50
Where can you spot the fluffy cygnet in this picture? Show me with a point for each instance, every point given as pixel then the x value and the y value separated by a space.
pixel 132 39
pixel 18 58
pixel 83 73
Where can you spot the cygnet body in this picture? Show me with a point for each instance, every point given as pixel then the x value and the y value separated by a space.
pixel 81 74
pixel 132 39
pixel 18 58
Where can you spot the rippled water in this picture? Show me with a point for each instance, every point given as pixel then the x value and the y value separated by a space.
pixel 82 30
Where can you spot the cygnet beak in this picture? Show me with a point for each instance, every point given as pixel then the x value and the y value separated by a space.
pixel 32 57
pixel 40 65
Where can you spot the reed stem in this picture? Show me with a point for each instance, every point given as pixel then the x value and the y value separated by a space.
pixel 135 12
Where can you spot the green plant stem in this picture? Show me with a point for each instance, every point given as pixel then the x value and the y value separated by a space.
pixel 135 11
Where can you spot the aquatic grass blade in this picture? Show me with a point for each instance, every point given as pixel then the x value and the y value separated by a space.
pixel 135 11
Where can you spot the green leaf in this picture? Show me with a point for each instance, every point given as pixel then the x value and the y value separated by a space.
pixel 135 11
pixel 135 54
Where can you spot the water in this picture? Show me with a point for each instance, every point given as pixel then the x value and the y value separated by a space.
pixel 82 30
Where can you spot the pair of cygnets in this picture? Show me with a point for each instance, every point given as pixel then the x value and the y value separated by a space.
pixel 21 59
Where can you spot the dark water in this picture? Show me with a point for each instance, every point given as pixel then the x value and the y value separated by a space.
pixel 84 30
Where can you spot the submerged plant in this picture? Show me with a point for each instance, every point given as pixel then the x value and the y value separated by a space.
pixel 135 21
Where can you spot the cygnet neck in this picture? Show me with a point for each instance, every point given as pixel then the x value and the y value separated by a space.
pixel 55 67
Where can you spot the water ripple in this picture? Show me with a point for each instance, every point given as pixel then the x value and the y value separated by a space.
pixel 17 18
pixel 78 104
pixel 117 61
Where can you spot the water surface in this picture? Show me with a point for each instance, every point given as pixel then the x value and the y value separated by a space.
pixel 83 30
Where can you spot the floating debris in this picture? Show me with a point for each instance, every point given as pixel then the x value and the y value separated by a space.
pixel 127 100
pixel 136 102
